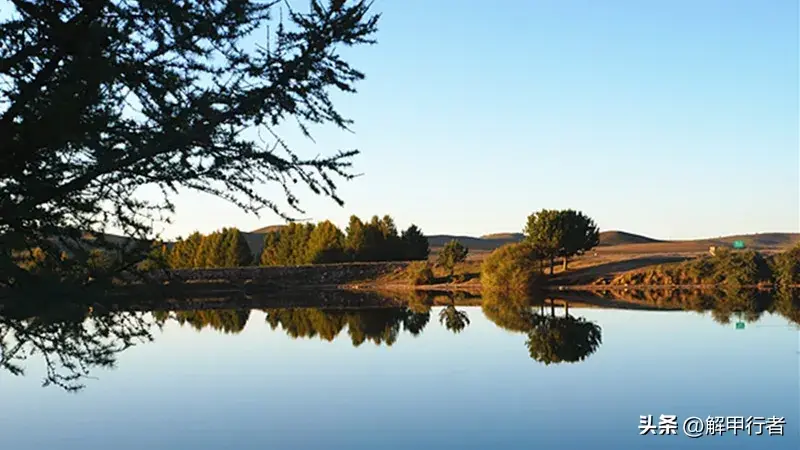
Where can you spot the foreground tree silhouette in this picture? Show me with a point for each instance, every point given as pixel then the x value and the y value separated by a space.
pixel 101 98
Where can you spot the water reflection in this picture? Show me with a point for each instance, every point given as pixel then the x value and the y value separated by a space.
pixel 72 342
pixel 551 339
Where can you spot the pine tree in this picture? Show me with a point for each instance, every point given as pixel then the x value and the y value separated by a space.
pixel 214 258
pixel 356 239
pixel 200 258
pixel 415 244
pixel 325 244
pixel 182 255
pixel 269 255
pixel 284 252
pixel 391 249
pixel 238 251
pixel 373 240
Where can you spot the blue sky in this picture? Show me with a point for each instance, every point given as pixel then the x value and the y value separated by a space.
pixel 673 119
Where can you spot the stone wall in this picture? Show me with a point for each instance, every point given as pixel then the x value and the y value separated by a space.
pixel 285 276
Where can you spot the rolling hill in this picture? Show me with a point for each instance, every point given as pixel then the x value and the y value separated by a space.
pixel 624 242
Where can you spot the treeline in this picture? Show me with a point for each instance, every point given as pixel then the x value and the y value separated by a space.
pixel 376 240
pixel 224 248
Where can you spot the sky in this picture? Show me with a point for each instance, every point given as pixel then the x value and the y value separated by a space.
pixel 672 119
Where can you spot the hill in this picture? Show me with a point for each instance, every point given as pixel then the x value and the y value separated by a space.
pixel 624 242
pixel 608 238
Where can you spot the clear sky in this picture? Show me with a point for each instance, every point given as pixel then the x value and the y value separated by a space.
pixel 674 119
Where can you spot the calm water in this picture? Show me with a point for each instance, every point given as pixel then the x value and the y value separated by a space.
pixel 401 379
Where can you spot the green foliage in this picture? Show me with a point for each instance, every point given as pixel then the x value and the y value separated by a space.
pixel 786 267
pixel 545 232
pixel 269 255
pixel 229 321
pixel 376 240
pixel 563 339
pixel 420 273
pixel 451 254
pixel 453 319
pixel 511 270
pixel 182 254
pixel 415 244
pixel 733 269
pixel 102 98
pixel 580 234
pixel 237 252
pixel 325 244
pixel 356 240
pixel 564 234
pixel 378 325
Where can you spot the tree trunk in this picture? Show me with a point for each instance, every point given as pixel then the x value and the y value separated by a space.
pixel 552 263
pixel 566 309
pixel 565 264
pixel 552 308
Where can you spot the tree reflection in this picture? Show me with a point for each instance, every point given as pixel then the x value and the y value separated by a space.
pixel 72 341
pixel 229 321
pixel 563 339
pixel 551 339
pixel 378 325
pixel 452 318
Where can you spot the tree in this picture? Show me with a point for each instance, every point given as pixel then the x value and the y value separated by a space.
pixel 184 251
pixel 237 251
pixel 391 246
pixel 325 244
pixel 415 244
pixel 545 232
pixel 561 234
pixel 102 98
pixel 451 254
pixel 269 255
pixel 356 239
pixel 373 240
pixel 580 234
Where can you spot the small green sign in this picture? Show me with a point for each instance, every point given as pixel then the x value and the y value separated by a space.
pixel 740 325
pixel 738 244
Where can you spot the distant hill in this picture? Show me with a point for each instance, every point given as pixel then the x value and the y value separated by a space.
pixel 608 238
pixel 610 241
pixel 628 242
pixel 267 229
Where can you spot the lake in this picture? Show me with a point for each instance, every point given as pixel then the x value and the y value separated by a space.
pixel 398 378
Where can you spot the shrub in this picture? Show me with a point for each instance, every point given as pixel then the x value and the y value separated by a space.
pixel 451 254
pixel 420 273
pixel 511 270
pixel 786 267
